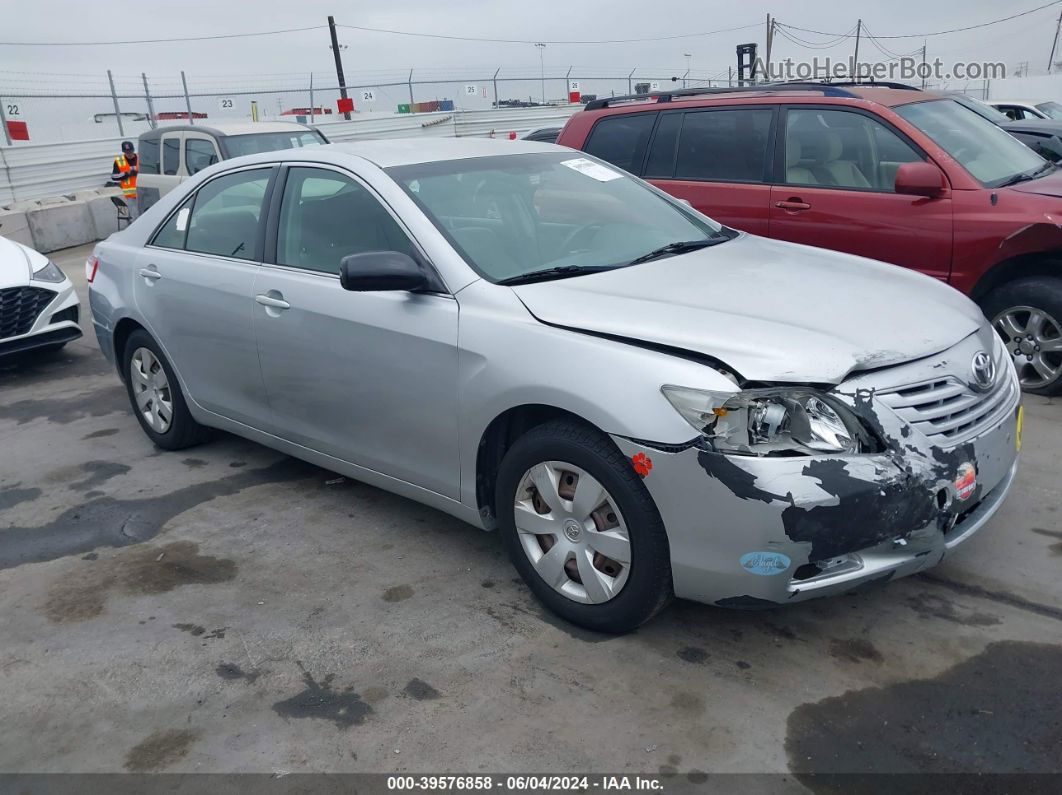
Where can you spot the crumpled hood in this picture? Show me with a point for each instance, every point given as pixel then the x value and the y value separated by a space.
pixel 18 263
pixel 770 310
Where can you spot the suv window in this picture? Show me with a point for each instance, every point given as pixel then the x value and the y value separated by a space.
pixel 727 145
pixel 621 140
pixel 661 163
pixel 326 216
pixel 148 155
pixel 836 148
pixel 198 154
pixel 171 155
pixel 225 215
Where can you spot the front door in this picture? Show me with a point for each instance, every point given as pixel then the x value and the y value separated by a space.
pixel 194 287
pixel 837 192
pixel 369 378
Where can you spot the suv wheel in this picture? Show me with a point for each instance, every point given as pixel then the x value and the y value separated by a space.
pixel 156 397
pixel 1027 313
pixel 581 528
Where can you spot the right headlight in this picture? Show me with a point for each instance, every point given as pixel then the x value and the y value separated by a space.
pixel 775 421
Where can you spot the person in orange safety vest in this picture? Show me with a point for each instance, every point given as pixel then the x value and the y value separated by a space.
pixel 126 167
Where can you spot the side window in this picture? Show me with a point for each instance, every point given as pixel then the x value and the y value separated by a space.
pixel 225 216
pixel 1013 113
pixel 198 154
pixel 325 216
pixel 173 232
pixel 725 145
pixel 661 162
pixel 621 140
pixel 148 154
pixel 833 148
pixel 1046 146
pixel 171 154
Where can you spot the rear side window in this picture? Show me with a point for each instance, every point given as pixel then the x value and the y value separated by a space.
pixel 225 216
pixel 171 155
pixel 148 154
pixel 661 163
pixel 173 232
pixel 621 140
pixel 198 154
pixel 724 145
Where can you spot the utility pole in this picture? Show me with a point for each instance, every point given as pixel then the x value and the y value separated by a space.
pixel 688 56
pixel 770 44
pixel 542 69
pixel 855 59
pixel 1054 44
pixel 923 65
pixel 339 61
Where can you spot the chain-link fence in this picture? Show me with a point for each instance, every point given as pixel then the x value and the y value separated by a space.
pixel 49 108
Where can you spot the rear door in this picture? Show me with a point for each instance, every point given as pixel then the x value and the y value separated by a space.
pixel 717 159
pixel 836 190
pixel 194 289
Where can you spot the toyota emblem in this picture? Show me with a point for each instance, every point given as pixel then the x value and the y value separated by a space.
pixel 984 371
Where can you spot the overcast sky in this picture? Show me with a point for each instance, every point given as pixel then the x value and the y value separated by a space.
pixel 1026 38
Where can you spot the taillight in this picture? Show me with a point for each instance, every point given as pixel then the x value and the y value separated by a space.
pixel 92 264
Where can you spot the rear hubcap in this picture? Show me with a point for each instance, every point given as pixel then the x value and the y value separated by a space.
pixel 572 531
pixel 1034 341
pixel 151 390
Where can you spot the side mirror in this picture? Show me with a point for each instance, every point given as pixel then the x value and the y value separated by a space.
pixel 919 179
pixel 381 270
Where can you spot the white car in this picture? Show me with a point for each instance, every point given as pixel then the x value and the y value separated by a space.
pixel 1021 109
pixel 38 305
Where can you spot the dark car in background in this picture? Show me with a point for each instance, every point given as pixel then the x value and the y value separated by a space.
pixel 882 171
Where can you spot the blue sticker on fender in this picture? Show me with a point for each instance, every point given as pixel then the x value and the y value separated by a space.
pixel 765 563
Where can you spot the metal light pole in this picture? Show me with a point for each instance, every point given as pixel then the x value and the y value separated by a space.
pixel 339 62
pixel 688 55
pixel 542 69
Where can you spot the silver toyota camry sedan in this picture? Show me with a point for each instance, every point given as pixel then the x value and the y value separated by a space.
pixel 643 402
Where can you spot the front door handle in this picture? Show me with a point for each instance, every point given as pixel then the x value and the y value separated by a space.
pixel 793 205
pixel 272 303
pixel 150 274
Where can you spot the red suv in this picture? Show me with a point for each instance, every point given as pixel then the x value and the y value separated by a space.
pixel 882 171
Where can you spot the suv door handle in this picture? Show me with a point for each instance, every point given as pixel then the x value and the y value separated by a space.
pixel 793 205
pixel 272 303
pixel 150 274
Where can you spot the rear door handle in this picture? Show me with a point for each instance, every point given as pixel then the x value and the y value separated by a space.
pixel 792 205
pixel 272 303
pixel 150 274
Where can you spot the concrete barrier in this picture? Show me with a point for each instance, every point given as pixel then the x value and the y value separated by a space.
pixel 104 216
pixel 14 226
pixel 62 221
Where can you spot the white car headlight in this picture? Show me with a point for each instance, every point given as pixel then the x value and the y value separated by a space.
pixel 49 273
pixel 775 421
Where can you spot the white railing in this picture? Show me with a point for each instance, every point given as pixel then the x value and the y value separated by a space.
pixel 36 171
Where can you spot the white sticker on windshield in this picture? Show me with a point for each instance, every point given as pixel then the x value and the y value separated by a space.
pixel 182 218
pixel 591 169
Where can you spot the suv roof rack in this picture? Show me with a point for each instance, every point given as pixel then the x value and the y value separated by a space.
pixel 827 89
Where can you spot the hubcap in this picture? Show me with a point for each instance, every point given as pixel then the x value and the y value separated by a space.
pixel 572 531
pixel 1034 340
pixel 151 390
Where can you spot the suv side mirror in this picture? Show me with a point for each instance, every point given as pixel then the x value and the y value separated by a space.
pixel 381 270
pixel 919 179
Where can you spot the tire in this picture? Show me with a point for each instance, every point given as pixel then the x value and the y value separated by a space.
pixel 644 583
pixel 1009 308
pixel 181 430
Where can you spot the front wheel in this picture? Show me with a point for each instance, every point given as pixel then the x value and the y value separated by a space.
pixel 1027 313
pixel 582 529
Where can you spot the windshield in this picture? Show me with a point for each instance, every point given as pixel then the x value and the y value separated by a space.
pixel 512 215
pixel 981 109
pixel 1050 109
pixel 993 156
pixel 252 144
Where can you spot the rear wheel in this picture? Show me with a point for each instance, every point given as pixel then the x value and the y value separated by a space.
pixel 156 397
pixel 582 529
pixel 1027 313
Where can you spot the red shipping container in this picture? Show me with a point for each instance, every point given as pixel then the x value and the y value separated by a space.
pixel 345 105
pixel 18 130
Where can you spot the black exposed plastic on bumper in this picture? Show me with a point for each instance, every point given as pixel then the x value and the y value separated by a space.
pixel 57 337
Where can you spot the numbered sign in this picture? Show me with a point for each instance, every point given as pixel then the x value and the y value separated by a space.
pixel 226 103
pixel 368 95
pixel 471 90
pixel 12 110
pixel 654 85
pixel 573 85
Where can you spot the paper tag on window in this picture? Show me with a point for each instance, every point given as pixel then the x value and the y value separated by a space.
pixel 182 218
pixel 591 169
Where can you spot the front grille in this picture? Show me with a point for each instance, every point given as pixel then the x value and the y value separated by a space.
pixel 19 308
pixel 948 411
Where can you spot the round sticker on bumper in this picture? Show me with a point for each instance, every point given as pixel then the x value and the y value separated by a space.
pixel 764 563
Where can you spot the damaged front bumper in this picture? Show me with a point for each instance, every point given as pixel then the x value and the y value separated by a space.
pixel 750 532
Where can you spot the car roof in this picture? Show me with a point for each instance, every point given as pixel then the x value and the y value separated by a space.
pixel 1032 102
pixel 408 151
pixel 223 129
pixel 1042 126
